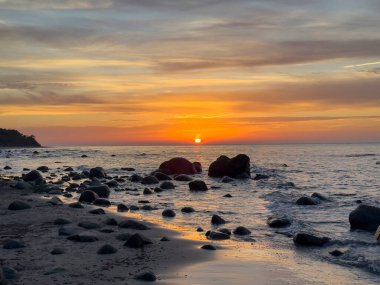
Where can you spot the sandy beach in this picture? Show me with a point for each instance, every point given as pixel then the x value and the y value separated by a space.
pixel 79 263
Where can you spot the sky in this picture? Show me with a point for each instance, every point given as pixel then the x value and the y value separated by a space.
pixel 113 72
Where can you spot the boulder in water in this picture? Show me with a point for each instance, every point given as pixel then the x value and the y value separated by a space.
pixel 306 201
pixel 102 190
pixel 217 220
pixel 237 167
pixel 365 217
pixel 198 185
pixel 309 240
pixel 180 165
pixel 32 176
pixel 88 196
pixel 97 172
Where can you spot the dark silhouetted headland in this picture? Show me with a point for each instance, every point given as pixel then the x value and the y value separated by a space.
pixel 13 138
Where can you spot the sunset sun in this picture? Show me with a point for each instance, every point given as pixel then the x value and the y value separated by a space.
pixel 197 140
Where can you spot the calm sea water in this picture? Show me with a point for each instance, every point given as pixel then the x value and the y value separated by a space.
pixel 344 173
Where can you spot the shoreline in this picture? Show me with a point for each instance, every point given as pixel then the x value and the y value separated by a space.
pixel 36 229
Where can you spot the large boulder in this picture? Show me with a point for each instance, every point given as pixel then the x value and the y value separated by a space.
pixel 180 165
pixel 236 167
pixel 365 217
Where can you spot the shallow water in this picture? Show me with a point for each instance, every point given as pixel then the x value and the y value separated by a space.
pixel 344 173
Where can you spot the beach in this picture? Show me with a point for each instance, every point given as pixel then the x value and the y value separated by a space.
pixel 265 255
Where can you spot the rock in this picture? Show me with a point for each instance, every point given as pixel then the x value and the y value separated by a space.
pixel 216 235
pixel 198 185
pixel 225 231
pixel 98 211
pixel 7 167
pixel 149 180
pixel 319 196
pixel 68 169
pixel 97 172
pixel 61 221
pixel 67 231
pixel 377 234
pixel 83 238
pixel 88 196
pixel 103 191
pixel 13 244
pixel 134 208
pixel 183 177
pixel 32 176
pixel 164 239
pixel 135 178
pixel 123 236
pixel 147 191
pixel 89 225
pixel 228 195
pixel 168 213
pixel 178 165
pixel 226 179
pixel 242 231
pixel 336 252
pixel 167 185
pixel 43 168
pixel 8 273
pixel 274 222
pixel 309 240
pixel 111 222
pixel 260 176
pixel 198 166
pixel 55 201
pixel 55 271
pixel 146 276
pixel 208 247
pixel 365 217
pixel 199 229
pixel 187 210
pixel 76 205
pixel 306 201
pixel 18 205
pixel 161 176
pixel 122 208
pixel 131 224
pixel 158 190
pixel 137 241
pixel 147 208
pixel 217 220
pixel 237 167
pixel 112 183
pixel 57 251
pixel 107 249
pixel 101 202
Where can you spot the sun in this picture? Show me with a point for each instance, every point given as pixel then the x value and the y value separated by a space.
pixel 197 140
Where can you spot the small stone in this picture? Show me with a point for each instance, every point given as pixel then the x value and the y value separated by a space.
pixel 167 185
pixel 102 202
pixel 88 225
pixel 122 208
pixel 13 244
pixel 131 224
pixel 164 239
pixel 308 239
pixel 76 205
pixel 216 235
pixel 147 191
pixel 61 221
pixel 18 205
pixel 98 211
pixel 148 180
pixel 107 249
pixel 336 252
pixel 7 167
pixel 242 231
pixel 274 222
pixel 198 185
pixel 306 201
pixel 146 276
pixel 57 251
pixel 260 176
pixel 199 229
pixel 228 195
pixel 83 238
pixel 208 247
pixel 137 241
pixel 187 210
pixel 217 220
pixel 168 213
pixel 88 196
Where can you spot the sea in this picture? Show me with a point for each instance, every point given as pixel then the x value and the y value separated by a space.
pixel 347 174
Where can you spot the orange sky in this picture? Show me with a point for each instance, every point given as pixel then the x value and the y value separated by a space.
pixel 129 72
